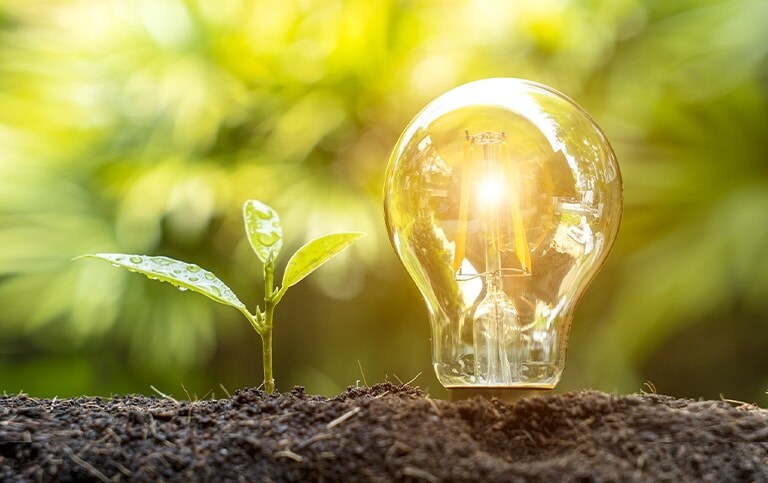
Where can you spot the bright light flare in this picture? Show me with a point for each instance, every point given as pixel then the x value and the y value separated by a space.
pixel 491 191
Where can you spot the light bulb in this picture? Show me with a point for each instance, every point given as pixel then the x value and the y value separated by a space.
pixel 502 199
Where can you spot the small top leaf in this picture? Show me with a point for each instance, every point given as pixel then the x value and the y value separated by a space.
pixel 315 253
pixel 181 274
pixel 263 228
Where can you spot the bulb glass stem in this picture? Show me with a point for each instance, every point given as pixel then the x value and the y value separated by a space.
pixel 496 332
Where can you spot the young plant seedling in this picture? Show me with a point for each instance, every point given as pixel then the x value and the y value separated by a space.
pixel 265 234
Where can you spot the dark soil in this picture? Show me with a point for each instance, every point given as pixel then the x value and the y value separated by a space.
pixel 382 433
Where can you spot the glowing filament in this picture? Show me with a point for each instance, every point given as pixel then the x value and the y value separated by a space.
pixel 491 192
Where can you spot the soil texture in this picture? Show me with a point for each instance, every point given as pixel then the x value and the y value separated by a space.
pixel 382 433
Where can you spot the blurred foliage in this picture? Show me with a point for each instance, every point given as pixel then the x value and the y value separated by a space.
pixel 142 125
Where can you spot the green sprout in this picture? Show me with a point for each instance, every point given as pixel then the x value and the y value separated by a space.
pixel 265 234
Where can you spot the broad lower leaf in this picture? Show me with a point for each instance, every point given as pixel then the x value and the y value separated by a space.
pixel 263 228
pixel 185 276
pixel 315 253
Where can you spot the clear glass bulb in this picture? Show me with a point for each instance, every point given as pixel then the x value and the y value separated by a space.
pixel 502 200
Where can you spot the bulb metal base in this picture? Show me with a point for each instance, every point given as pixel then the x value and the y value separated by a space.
pixel 506 395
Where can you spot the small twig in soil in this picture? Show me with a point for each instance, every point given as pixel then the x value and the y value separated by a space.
pixel 434 405
pixel 406 383
pixel 496 413
pixel 8 421
pixel 280 417
pixel 111 432
pixel 286 453
pixel 86 465
pixel 343 417
pixel 85 448
pixel 414 472
pixel 740 404
pixel 581 426
pixel 521 433
pixel 124 470
pixel 163 395
pixel 186 392
pixel 650 387
pixel 362 373
pixel 98 442
pixel 414 378
pixel 152 427
pixel 396 447
pixel 229 396
pixel 314 439
pixel 189 415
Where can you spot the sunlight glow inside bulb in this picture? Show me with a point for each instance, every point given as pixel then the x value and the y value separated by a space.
pixel 502 200
pixel 491 191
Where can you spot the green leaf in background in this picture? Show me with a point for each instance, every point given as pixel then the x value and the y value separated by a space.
pixel 265 233
pixel 185 276
pixel 309 257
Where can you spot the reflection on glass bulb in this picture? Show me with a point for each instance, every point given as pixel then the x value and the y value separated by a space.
pixel 502 199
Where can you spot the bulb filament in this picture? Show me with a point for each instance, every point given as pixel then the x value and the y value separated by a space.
pixel 496 326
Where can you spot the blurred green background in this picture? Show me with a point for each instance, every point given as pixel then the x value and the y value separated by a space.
pixel 142 126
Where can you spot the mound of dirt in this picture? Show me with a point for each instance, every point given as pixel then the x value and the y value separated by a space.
pixel 381 433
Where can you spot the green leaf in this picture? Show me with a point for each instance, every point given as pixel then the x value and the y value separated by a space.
pixel 185 276
pixel 315 253
pixel 263 228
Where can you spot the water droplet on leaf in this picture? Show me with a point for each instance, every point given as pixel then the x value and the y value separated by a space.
pixel 268 239
pixel 193 268
pixel 264 214
pixel 183 289
pixel 136 259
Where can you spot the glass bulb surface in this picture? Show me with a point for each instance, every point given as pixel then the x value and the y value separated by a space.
pixel 502 199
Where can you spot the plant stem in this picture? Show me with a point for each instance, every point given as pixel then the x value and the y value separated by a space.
pixel 269 380
pixel 266 336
